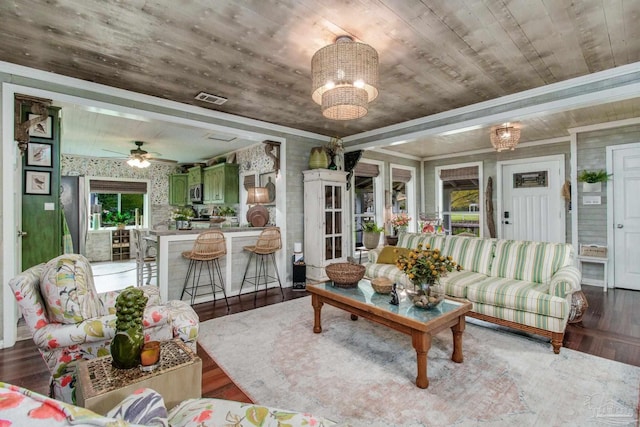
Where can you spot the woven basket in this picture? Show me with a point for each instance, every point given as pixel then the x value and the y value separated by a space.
pixel 344 274
pixel 382 285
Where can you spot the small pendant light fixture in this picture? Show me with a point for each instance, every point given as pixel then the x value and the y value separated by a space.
pixel 505 137
pixel 344 78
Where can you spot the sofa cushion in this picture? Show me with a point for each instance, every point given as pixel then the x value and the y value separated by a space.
pixel 529 261
pixel 68 290
pixel 143 407
pixel 411 240
pixel 553 324
pixel 456 282
pixel 389 271
pixel 390 254
pixel 518 295
pixel 472 253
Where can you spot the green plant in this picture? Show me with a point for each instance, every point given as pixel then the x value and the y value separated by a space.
pixel 117 217
pixel 593 176
pixel 182 214
pixel 371 227
pixel 226 211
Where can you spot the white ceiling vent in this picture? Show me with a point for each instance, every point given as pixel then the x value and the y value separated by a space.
pixel 212 99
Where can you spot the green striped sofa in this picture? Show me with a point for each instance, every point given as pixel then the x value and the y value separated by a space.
pixel 520 284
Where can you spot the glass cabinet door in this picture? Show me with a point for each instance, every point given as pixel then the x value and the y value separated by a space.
pixel 333 221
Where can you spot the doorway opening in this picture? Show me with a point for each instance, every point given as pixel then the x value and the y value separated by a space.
pixel 460 200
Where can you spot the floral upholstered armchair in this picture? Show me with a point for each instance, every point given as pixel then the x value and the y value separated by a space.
pixel 145 407
pixel 70 321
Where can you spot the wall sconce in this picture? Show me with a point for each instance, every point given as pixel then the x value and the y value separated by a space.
pixel 257 215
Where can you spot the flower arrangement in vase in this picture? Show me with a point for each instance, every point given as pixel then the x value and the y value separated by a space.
pixel 182 216
pixel 400 222
pixel 424 267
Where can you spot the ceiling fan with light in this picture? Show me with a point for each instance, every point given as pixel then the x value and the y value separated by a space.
pixel 140 158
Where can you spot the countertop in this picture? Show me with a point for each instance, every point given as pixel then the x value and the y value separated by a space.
pixel 200 230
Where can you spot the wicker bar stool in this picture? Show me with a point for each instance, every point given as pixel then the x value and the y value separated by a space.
pixel 268 243
pixel 207 249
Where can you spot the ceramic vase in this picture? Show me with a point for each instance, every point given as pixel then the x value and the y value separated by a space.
pixel 126 347
pixel 318 158
pixel 127 343
pixel 370 239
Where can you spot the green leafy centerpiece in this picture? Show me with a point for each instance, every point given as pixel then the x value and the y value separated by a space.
pixel 424 267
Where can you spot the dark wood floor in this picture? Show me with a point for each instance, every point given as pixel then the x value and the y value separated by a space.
pixel 610 329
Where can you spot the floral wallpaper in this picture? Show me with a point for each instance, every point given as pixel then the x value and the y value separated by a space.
pixel 254 159
pixel 157 173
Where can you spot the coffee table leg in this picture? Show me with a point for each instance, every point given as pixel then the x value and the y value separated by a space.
pixel 422 343
pixel 317 307
pixel 457 331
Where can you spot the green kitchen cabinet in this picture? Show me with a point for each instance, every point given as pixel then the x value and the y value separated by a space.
pixel 195 176
pixel 220 184
pixel 179 189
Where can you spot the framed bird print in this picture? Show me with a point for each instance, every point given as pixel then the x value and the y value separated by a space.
pixel 43 129
pixel 37 182
pixel 39 154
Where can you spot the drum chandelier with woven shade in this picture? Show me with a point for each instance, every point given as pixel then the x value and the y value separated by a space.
pixel 505 137
pixel 344 78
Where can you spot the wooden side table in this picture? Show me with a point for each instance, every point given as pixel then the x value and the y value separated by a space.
pixel 100 386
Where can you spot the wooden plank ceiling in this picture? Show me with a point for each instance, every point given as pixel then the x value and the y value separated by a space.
pixel 434 55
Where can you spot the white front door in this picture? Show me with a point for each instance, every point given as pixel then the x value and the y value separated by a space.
pixel 531 206
pixel 626 215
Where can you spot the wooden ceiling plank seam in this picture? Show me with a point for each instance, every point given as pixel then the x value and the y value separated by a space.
pixel 460 39
pixel 614 23
pixel 515 32
pixel 499 58
pixel 631 16
pixel 587 15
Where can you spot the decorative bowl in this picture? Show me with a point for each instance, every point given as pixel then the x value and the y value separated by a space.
pixel 382 285
pixel 345 274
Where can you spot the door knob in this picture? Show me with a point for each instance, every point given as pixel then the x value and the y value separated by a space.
pixel 22 233
pixel 620 226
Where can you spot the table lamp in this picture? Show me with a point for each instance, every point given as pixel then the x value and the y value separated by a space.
pixel 257 215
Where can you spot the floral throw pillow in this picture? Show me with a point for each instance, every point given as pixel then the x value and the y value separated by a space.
pixel 68 290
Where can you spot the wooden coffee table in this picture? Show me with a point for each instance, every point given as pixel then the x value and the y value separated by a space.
pixel 418 323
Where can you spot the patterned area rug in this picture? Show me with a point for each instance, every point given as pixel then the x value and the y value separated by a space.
pixel 362 374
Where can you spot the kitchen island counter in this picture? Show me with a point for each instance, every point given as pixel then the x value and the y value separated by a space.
pixel 200 230
pixel 172 267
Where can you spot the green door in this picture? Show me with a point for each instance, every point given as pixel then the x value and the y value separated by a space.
pixel 41 213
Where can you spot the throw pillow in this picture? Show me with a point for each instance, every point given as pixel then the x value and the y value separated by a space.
pixel 68 290
pixel 390 254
